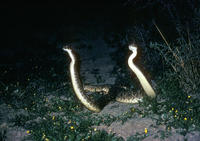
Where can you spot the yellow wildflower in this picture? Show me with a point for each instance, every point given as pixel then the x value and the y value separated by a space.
pixel 185 118
pixel 189 96
pixel 53 118
pixel 145 130
pixel 71 127
pixel 28 131
pixel 46 139
pixel 132 109
pixel 172 109
pixel 176 111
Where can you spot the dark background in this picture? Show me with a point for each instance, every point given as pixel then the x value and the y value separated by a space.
pixel 30 29
pixel 32 32
pixel 33 28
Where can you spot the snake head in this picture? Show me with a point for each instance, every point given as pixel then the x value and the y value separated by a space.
pixel 70 52
pixel 133 48
pixel 67 48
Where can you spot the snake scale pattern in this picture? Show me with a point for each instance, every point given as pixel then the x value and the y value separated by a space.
pixel 122 96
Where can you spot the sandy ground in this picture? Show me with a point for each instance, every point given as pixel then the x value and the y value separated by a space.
pixel 104 63
pixel 98 57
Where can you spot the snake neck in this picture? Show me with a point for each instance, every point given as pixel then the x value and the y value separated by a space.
pixel 77 85
pixel 143 81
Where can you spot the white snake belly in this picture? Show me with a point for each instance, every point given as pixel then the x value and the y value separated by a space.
pixel 122 96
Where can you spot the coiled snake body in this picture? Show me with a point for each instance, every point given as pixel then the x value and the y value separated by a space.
pixel 121 97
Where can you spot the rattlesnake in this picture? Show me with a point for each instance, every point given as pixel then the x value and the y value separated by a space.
pixel 122 96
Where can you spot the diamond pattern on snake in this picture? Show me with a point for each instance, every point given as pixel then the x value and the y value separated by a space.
pixel 122 94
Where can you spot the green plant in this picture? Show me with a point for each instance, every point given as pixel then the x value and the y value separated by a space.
pixel 183 57
pixel 180 83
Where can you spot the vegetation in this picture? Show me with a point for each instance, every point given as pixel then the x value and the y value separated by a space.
pixel 43 104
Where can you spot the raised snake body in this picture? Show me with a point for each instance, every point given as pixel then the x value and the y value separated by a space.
pixel 122 96
pixel 77 85
pixel 143 81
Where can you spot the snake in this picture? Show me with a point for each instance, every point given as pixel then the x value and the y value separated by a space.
pixel 123 96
